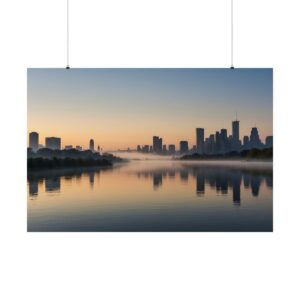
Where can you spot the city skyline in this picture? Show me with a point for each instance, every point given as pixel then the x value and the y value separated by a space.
pixel 212 143
pixel 121 108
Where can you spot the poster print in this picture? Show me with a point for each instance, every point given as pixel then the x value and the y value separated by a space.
pixel 150 150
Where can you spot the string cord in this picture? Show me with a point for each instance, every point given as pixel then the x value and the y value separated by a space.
pixel 232 67
pixel 68 34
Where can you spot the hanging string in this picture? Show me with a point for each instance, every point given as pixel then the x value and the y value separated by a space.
pixel 68 33
pixel 232 67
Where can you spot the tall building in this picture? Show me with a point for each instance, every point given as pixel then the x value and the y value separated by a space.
pixel 157 144
pixel 200 140
pixel 210 144
pixel 34 141
pixel 160 144
pixel 254 138
pixel 235 144
pixel 224 141
pixel 146 148
pixel 236 130
pixel 172 149
pixel 218 142
pixel 92 145
pixel 184 147
pixel 246 142
pixel 269 141
pixel 53 143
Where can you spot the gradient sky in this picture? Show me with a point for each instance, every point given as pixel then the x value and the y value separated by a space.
pixel 122 108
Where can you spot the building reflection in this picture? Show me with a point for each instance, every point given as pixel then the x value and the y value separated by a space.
pixel 172 173
pixel 184 175
pixel 52 184
pixel 236 188
pixel 91 178
pixel 33 187
pixel 255 184
pixel 224 184
pixel 200 185
pixel 246 178
pixel 225 180
pixel 52 178
pixel 269 181
pixel 157 180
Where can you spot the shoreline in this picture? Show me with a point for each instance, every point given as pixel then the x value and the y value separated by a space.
pixel 229 159
pixel 48 164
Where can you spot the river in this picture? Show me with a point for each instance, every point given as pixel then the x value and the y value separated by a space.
pixel 153 193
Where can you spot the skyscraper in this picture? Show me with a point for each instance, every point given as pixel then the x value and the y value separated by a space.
pixel 236 130
pixel 246 142
pixel 218 142
pixel 254 138
pixel 200 140
pixel 172 149
pixel 210 144
pixel 53 143
pixel 269 141
pixel 92 145
pixel 224 141
pixel 224 133
pixel 34 141
pixel 236 144
pixel 157 144
pixel 160 144
pixel 184 147
pixel 154 143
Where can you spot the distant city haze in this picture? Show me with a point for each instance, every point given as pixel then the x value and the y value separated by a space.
pixel 123 108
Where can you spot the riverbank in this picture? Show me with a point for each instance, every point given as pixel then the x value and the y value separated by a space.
pixel 41 163
pixel 245 155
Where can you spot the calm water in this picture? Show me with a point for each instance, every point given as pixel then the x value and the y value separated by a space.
pixel 153 195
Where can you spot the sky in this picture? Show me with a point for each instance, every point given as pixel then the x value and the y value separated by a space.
pixel 121 108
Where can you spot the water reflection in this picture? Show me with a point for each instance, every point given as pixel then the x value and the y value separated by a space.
pixel 157 179
pixel 91 178
pixel 52 178
pixel 222 179
pixel 200 186
pixel 33 187
pixel 52 184
pixel 152 196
